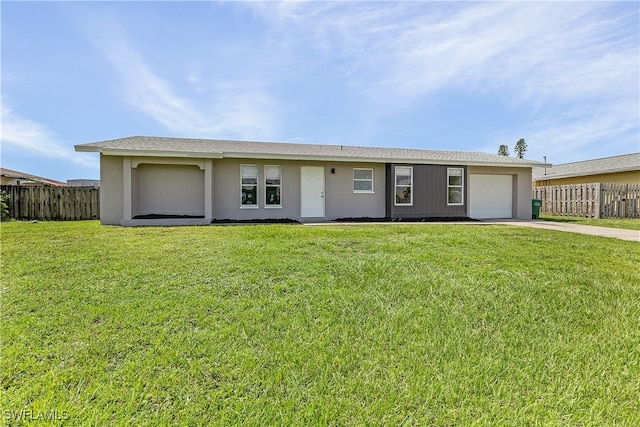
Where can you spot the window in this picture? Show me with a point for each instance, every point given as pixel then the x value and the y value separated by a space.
pixel 249 178
pixel 404 185
pixel 272 183
pixel 363 180
pixel 455 186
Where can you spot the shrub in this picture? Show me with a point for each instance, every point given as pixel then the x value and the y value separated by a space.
pixel 4 208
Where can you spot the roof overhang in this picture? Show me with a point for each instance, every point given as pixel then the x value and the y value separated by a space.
pixel 347 159
pixel 588 173
pixel 296 157
pixel 149 153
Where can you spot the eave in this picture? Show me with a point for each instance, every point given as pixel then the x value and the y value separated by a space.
pixel 294 157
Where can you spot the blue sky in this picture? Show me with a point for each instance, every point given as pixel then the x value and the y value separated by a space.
pixel 564 76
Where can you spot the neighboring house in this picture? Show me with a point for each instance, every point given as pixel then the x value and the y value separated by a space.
pixel 623 169
pixel 157 180
pixel 95 183
pixel 11 177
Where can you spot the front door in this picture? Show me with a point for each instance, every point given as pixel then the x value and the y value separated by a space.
pixel 312 191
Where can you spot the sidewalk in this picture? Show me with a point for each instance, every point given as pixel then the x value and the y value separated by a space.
pixel 616 233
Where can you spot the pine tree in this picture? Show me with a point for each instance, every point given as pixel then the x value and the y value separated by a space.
pixel 520 148
pixel 503 150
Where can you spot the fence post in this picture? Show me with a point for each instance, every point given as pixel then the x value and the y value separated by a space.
pixel 595 200
pixel 598 200
pixel 52 203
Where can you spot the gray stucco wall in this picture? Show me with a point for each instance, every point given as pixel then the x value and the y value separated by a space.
pixel 227 201
pixel 111 206
pixel 168 190
pixel 521 187
pixel 340 200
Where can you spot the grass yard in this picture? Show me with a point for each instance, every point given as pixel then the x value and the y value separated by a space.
pixel 417 324
pixel 626 223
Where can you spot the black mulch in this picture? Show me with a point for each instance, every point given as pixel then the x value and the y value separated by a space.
pixel 255 221
pixel 421 219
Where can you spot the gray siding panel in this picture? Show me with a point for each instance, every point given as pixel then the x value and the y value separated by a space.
pixel 388 201
pixel 429 193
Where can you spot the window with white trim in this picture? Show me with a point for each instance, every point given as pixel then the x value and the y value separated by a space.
pixel 363 180
pixel 404 185
pixel 272 186
pixel 455 186
pixel 249 180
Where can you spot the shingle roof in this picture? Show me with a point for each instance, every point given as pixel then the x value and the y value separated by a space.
pixel 216 148
pixel 626 162
pixel 9 173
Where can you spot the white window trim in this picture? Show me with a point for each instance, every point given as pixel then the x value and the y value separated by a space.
pixel 461 186
pixel 266 206
pixel 395 186
pixel 364 180
pixel 257 205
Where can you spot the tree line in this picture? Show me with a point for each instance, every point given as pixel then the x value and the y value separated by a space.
pixel 519 149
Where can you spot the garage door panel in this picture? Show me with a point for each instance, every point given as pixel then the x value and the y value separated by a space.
pixel 490 196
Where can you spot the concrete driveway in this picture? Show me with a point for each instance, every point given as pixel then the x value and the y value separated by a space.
pixel 616 233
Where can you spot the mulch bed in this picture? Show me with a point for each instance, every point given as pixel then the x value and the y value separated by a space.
pixel 421 219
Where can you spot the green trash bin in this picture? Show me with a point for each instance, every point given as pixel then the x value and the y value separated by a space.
pixel 536 205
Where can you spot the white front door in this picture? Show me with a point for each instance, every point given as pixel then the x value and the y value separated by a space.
pixel 312 191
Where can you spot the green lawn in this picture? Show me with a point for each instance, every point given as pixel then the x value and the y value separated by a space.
pixel 417 324
pixel 627 223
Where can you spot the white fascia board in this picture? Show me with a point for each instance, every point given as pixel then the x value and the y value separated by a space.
pixel 471 163
pixel 510 165
pixel 318 158
pixel 87 148
pixel 464 163
pixel 145 153
pixel 321 158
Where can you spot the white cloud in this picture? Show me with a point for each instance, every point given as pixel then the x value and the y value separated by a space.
pixel 573 68
pixel 33 138
pixel 576 134
pixel 405 51
pixel 242 110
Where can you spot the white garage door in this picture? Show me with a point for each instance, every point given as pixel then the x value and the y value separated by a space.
pixel 490 196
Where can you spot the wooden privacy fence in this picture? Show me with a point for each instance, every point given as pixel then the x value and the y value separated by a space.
pixel 52 203
pixel 597 200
